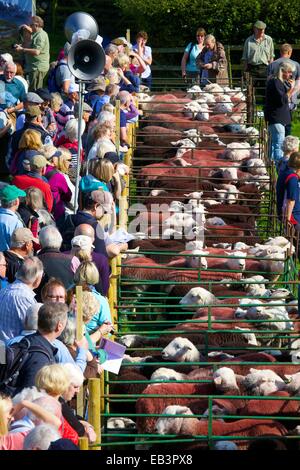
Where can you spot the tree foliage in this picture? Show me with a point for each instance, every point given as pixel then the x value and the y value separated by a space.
pixel 173 22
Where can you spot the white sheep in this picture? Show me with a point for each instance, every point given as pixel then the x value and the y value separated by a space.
pixel 181 350
pixel 186 143
pixel 215 221
pixel 238 262
pixel 255 166
pixel 165 375
pixel 237 151
pixel 226 246
pixel 197 260
pixel 295 357
pixel 229 173
pixel 213 88
pixel 224 379
pixel 198 296
pixel 223 108
pixel 240 246
pixel 158 192
pixel 211 202
pixel 194 195
pixel 194 245
pixel 263 382
pixel 221 194
pixel 215 138
pixel 274 263
pixel 173 424
pixel 216 410
pixel 120 423
pixel 293 383
pixel 194 89
pixel 250 337
pixel 207 98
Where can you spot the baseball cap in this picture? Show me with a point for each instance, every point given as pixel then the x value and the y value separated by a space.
pixel 82 241
pixel 38 161
pixel 112 157
pixel 73 87
pixel 50 151
pixel 33 98
pixel 260 25
pixel 121 41
pixel 104 198
pixel 86 109
pixel 33 111
pixel 44 94
pixel 97 84
pixel 10 193
pixel 23 235
pixel 6 57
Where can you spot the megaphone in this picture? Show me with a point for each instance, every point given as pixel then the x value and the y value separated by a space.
pixel 86 60
pixel 81 20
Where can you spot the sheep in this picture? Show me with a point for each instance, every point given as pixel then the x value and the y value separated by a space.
pixel 215 221
pixel 238 262
pixel 224 380
pixel 213 88
pixel 167 375
pixel 120 423
pixel 184 143
pixel 215 139
pixel 198 296
pixel 293 383
pixel 178 424
pixel 181 350
pixel 211 202
pixel 255 166
pixel 194 89
pixel 194 245
pixel 226 246
pixel 223 108
pixel 197 260
pixel 237 151
pixel 194 195
pixel 240 246
pixel 274 264
pixel 263 382
pixel 250 337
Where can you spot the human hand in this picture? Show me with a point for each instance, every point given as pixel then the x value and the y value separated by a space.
pixel 106 328
pixel 207 66
pixel 51 127
pixel 120 72
pixel 82 343
pixel 18 47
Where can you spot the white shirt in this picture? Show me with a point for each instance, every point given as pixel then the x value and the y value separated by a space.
pixel 146 55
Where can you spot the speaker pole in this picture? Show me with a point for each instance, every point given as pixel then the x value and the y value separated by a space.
pixel 80 114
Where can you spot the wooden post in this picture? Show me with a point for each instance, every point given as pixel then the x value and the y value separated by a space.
pixel 117 125
pixel 83 443
pixel 79 336
pixel 94 408
pixel 128 35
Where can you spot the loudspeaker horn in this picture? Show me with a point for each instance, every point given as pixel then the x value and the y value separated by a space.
pixel 86 60
pixel 81 20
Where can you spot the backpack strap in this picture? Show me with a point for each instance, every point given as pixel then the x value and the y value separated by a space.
pixel 290 176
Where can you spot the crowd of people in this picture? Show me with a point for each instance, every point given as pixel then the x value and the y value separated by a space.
pixel 51 243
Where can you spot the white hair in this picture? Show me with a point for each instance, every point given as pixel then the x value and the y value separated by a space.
pixel 290 144
pixel 41 437
pixel 106 116
pixel 75 375
pixel 31 269
pixel 71 129
pixel 50 237
pixel 28 393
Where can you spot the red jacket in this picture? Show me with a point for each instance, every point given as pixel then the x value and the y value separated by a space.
pixel 26 181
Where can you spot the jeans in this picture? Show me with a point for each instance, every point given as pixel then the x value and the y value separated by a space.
pixel 277 135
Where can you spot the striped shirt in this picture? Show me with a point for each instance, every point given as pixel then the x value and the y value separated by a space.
pixel 14 302
pixel 64 115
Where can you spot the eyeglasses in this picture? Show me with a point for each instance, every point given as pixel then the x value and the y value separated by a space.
pixel 55 297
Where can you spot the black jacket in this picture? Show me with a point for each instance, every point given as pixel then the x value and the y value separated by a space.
pixel 14 262
pixel 58 265
pixel 43 356
pixel 276 106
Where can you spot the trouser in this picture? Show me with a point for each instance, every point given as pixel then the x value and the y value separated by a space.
pixel 147 81
pixel 259 77
pixel 36 79
pixel 276 135
pixel 288 127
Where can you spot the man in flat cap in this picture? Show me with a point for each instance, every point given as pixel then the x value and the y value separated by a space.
pixel 258 54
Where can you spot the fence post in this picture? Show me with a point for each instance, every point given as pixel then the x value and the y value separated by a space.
pixel 117 112
pixel 83 443
pixel 94 410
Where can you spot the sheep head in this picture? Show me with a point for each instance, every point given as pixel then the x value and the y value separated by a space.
pixel 198 260
pixel 164 374
pixel 198 296
pixel 181 350
pixel 224 379
pixel 173 424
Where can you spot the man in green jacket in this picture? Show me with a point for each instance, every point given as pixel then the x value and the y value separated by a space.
pixel 38 56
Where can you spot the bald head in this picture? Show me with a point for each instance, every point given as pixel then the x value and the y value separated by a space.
pixel 85 229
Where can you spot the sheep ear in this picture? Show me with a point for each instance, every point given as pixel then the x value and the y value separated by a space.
pixel 218 380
